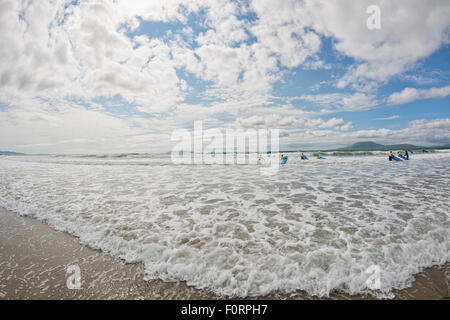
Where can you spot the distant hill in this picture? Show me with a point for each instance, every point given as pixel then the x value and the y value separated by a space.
pixel 366 145
pixel 445 146
pixel 10 153
pixel 404 147
pixel 372 146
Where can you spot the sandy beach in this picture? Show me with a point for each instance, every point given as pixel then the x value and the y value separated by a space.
pixel 34 260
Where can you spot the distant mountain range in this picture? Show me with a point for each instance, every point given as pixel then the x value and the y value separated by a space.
pixel 372 146
pixel 359 146
pixel 10 153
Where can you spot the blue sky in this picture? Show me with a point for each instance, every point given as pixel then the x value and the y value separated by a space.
pixel 85 76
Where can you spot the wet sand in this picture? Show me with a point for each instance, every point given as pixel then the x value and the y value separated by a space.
pixel 34 259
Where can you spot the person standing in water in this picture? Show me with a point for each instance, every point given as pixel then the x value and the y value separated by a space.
pixel 302 156
pixel 390 155
pixel 406 154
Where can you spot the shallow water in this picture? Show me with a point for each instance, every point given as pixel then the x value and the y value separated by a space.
pixel 316 226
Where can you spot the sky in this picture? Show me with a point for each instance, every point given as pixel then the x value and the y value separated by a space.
pixel 121 76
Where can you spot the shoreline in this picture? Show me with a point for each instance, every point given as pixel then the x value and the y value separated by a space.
pixel 34 260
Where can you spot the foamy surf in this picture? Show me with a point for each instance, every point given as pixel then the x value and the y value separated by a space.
pixel 316 226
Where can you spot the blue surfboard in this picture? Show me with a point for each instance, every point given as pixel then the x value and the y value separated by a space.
pixel 284 160
pixel 322 158
pixel 404 158
pixel 396 159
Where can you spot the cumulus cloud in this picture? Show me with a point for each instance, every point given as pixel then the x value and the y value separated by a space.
pixel 59 58
pixel 410 30
pixel 267 121
pixel 337 102
pixel 419 132
pixel 57 49
pixel 412 94
pixel 293 123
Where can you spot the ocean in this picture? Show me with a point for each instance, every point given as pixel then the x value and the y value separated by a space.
pixel 354 223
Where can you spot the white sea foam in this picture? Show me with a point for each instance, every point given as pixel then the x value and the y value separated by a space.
pixel 317 225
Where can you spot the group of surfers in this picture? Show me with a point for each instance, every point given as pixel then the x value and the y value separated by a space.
pixel 303 157
pixel 406 155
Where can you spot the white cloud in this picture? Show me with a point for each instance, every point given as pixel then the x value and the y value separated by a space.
pixel 412 94
pixel 388 118
pixel 419 132
pixel 56 52
pixel 337 102
pixel 81 51
pixel 410 30
pixel 292 123
pixel 267 121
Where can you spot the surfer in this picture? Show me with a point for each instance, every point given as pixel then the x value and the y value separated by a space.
pixel 406 154
pixel 302 156
pixel 390 155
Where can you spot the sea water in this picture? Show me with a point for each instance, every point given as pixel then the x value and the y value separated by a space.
pixel 315 226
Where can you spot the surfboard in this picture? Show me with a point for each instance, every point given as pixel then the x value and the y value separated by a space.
pixel 284 160
pixel 404 158
pixel 396 159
